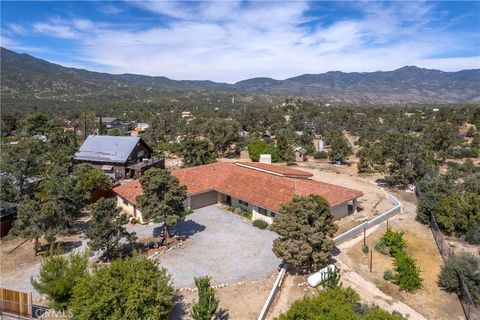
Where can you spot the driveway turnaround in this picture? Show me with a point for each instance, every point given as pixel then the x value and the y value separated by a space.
pixel 222 245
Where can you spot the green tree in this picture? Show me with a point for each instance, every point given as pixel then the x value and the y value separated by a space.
pixel 285 149
pixel 90 178
pixel 306 228
pixel 163 198
pixel 197 152
pixel 22 166
pixel 207 304
pixel 36 219
pixel 131 289
pixel 465 265
pixel 440 137
pixel 107 229
pixel 335 303
pixel 339 146
pixel 255 149
pixel 221 133
pixel 407 273
pixel 58 275
pixel 101 127
pixel 37 123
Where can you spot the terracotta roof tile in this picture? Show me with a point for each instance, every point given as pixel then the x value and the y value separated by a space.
pixel 257 187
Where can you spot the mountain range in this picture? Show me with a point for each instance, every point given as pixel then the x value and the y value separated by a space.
pixel 23 75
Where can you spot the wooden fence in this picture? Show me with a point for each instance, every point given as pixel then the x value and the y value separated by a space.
pixel 15 303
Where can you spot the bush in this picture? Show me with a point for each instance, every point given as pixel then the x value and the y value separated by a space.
pixel 365 249
pixel 381 247
pixel 260 224
pixel 132 288
pixel 473 234
pixel 467 265
pixel 58 276
pixel 320 155
pixel 388 275
pixel 393 241
pixel 407 272
pixel 134 221
pixel 207 304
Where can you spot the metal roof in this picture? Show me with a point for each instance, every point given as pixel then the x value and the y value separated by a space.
pixel 107 148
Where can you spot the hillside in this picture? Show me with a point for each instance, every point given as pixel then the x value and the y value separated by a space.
pixel 25 78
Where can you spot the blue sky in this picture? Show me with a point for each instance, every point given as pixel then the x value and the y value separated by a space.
pixel 234 40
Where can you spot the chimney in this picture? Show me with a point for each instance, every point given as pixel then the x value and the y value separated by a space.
pixel 266 158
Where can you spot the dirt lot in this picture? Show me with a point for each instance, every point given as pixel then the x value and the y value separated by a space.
pixel 241 301
pixel 431 302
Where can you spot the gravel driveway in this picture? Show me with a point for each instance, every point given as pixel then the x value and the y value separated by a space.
pixel 222 245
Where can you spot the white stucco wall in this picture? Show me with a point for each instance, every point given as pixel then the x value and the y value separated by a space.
pixel 259 216
pixel 129 209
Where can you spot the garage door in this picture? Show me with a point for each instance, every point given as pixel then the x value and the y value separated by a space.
pixel 203 200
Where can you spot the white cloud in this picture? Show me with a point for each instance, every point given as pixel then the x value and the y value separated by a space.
pixel 233 40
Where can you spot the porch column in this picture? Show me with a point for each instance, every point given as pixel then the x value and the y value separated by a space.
pixel 354 205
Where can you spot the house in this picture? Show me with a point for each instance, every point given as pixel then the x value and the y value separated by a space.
pixel 118 156
pixel 139 129
pixel 111 123
pixel 256 187
pixel 187 114
pixel 300 154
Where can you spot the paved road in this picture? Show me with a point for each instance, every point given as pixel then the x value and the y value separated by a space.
pixel 221 245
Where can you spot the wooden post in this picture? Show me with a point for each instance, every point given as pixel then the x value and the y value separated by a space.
pixel 371 259
pixel 364 240
pixel 387 224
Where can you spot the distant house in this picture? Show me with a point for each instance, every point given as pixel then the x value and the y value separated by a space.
pixel 139 129
pixel 187 114
pixel 111 123
pixel 256 187
pixel 119 157
pixel 300 154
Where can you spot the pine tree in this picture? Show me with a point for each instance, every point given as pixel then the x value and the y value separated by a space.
pixel 107 230
pixel 207 304
pixel 306 229
pixel 162 199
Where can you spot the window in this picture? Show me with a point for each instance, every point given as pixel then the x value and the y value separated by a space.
pixel 125 202
pixel 243 203
pixel 272 214
pixel 263 211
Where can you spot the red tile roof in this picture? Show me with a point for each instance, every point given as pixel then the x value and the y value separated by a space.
pixel 257 187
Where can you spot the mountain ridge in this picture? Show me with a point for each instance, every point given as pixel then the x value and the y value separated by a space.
pixel 23 74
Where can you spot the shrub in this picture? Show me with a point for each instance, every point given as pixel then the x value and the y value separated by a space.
pixel 381 247
pixel 207 303
pixel 388 275
pixel 320 155
pixel 473 234
pixel 238 211
pixel 58 275
pixel 467 265
pixel 131 288
pixel 332 280
pixel 365 249
pixel 134 221
pixel 393 241
pixel 260 224
pixel 407 272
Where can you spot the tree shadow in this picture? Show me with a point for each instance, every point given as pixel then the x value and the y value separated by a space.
pixel 186 229
pixel 222 314
pixel 179 308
